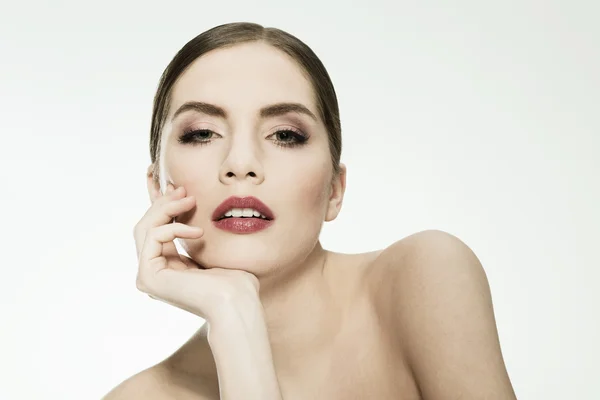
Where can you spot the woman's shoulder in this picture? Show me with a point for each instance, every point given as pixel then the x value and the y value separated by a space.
pixel 161 382
pixel 433 299
pixel 370 273
pixel 147 384
pixel 416 266
pixel 411 252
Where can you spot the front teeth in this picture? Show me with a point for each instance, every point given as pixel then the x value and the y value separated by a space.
pixel 244 212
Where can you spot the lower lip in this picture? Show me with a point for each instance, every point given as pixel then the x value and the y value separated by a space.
pixel 243 225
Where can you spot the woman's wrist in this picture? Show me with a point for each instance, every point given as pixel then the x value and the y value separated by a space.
pixel 240 345
pixel 246 313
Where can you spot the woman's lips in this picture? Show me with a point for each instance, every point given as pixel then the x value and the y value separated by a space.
pixel 242 202
pixel 242 225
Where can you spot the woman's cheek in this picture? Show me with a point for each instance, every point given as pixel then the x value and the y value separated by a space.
pixel 312 190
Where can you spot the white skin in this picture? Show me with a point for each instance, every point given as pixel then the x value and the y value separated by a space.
pixel 242 158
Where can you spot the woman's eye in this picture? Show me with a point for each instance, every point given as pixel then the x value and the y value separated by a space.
pixel 201 134
pixel 204 134
pixel 284 135
pixel 198 136
pixel 289 138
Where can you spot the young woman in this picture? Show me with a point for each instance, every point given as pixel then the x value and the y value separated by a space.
pixel 245 147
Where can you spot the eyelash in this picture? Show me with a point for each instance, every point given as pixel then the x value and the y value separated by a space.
pixel 189 137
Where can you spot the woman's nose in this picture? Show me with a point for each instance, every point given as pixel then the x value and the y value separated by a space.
pixel 242 163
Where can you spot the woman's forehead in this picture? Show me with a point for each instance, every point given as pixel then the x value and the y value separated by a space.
pixel 243 77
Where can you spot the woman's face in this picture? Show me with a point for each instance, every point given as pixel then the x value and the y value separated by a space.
pixel 239 153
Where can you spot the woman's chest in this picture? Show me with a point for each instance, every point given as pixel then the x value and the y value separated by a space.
pixel 361 364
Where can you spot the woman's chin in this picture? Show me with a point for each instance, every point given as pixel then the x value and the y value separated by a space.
pixel 254 266
pixel 251 260
pixel 256 256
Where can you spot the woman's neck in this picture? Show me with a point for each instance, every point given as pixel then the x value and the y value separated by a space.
pixel 303 309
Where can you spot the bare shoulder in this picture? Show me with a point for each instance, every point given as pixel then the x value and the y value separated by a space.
pixel 417 271
pixel 433 300
pixel 160 382
pixel 411 252
pixel 149 384
pixel 421 250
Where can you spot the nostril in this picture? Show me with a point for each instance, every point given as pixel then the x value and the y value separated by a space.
pixel 230 174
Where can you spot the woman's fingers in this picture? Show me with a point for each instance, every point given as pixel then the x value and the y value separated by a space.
pixel 152 259
pixel 169 249
pixel 160 213
pixel 156 237
pixel 165 209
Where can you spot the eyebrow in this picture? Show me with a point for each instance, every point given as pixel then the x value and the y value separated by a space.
pixel 272 110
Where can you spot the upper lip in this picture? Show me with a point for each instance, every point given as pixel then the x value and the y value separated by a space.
pixel 242 202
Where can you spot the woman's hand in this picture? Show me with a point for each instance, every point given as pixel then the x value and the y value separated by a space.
pixel 166 275
pixel 227 299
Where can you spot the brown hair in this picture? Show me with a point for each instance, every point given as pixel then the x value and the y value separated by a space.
pixel 240 32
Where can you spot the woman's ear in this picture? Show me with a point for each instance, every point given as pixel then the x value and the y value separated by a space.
pixel 153 183
pixel 338 188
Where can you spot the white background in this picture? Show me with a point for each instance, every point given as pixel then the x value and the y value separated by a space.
pixel 477 118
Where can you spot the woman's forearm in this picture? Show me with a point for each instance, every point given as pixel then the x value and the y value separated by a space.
pixel 240 345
